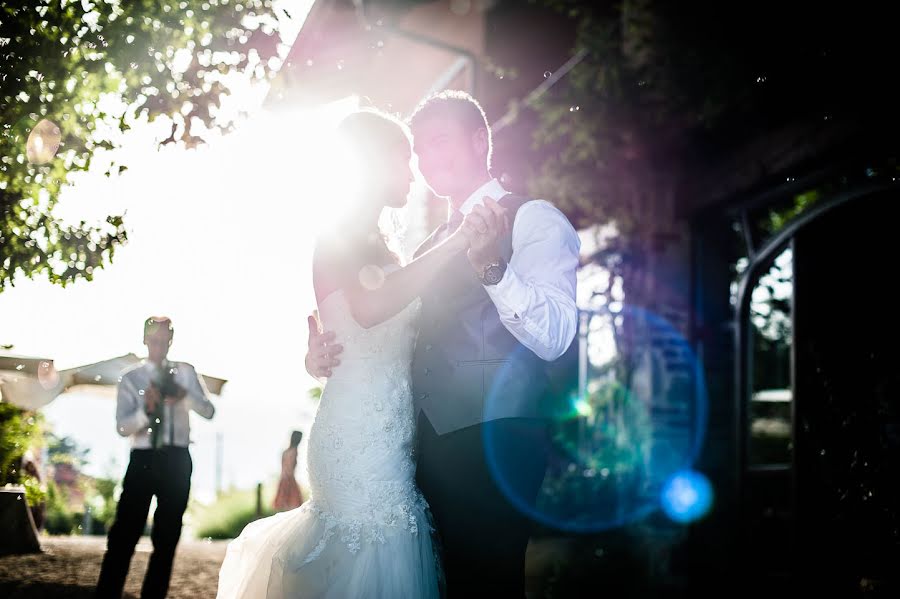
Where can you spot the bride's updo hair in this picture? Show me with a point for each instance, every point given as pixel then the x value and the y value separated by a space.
pixel 366 138
pixel 366 133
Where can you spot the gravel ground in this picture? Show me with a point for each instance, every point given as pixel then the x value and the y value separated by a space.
pixel 68 568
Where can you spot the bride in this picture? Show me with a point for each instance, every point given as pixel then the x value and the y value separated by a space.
pixel 366 531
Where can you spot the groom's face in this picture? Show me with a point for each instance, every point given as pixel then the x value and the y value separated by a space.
pixel 448 155
pixel 158 342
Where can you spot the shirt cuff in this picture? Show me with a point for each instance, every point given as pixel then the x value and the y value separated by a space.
pixel 199 401
pixel 510 296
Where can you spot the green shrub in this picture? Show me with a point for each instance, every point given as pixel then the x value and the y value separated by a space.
pixel 59 520
pixel 104 510
pixel 228 515
pixel 35 492
pixel 18 430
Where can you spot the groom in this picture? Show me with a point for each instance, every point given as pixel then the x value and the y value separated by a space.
pixel 490 329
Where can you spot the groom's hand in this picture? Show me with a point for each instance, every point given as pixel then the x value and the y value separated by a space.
pixel 322 354
pixel 484 226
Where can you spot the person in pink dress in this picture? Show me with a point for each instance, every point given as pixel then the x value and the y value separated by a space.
pixel 288 495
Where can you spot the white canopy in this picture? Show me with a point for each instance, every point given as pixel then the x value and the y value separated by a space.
pixel 32 382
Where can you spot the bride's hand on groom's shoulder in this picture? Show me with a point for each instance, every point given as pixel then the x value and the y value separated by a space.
pixel 321 356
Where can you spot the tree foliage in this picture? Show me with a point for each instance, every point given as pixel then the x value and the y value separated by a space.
pixel 665 90
pixel 663 93
pixel 75 75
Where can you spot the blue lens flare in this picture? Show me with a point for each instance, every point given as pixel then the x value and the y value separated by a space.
pixel 687 496
pixel 613 449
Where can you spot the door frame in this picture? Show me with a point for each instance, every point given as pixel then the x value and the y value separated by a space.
pixel 759 263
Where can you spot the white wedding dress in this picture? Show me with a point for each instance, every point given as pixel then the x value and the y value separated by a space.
pixel 366 530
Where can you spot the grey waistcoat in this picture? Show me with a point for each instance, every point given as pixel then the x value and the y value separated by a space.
pixel 467 368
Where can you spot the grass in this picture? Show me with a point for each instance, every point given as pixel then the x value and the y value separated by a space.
pixel 226 517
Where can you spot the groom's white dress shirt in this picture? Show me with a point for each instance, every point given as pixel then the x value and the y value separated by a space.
pixel 536 298
pixel 132 419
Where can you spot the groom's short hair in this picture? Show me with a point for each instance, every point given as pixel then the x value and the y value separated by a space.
pixel 456 105
pixel 153 324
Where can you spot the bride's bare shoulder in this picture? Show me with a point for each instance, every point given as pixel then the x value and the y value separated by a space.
pixel 331 267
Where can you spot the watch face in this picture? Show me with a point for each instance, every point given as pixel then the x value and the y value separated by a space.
pixel 493 274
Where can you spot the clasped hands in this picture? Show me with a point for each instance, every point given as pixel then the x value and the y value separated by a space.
pixel 482 228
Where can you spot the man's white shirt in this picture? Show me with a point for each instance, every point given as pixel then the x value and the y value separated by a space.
pixel 536 297
pixel 132 419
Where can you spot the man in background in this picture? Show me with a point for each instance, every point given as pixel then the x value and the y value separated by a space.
pixel 153 407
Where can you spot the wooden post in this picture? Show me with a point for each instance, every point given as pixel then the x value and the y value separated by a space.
pixel 220 448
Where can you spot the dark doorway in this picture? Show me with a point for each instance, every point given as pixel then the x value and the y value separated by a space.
pixel 847 399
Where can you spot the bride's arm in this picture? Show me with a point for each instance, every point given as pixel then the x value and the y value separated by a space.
pixel 399 289
pixel 373 306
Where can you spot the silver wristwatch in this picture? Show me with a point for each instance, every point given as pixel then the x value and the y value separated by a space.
pixel 493 272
